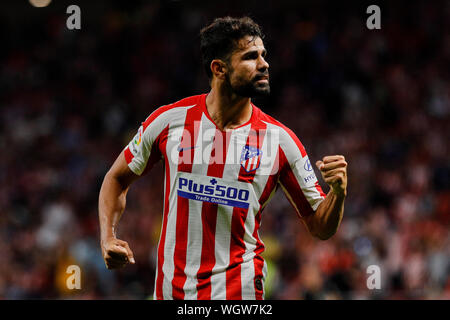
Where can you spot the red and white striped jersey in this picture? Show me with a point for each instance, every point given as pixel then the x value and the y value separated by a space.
pixel 216 186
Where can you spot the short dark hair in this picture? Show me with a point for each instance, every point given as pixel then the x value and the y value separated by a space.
pixel 219 39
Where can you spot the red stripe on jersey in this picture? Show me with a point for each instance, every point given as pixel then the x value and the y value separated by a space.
pixel 294 192
pixel 186 159
pixel 271 183
pixel 319 189
pixel 237 249
pixel 128 155
pixel 209 216
pixel 237 245
pixel 160 276
pixel 258 260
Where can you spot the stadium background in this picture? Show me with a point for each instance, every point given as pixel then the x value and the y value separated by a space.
pixel 71 100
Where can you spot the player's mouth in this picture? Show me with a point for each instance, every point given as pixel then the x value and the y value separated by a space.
pixel 262 79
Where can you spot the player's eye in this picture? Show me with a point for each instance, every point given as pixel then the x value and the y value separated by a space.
pixel 251 55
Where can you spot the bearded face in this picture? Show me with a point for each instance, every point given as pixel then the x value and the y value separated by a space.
pixel 248 71
pixel 249 87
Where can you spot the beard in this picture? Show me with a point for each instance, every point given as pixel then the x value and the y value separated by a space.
pixel 249 88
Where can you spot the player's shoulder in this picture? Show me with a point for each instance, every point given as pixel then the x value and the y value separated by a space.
pixel 169 111
pixel 187 102
pixel 287 137
pixel 285 130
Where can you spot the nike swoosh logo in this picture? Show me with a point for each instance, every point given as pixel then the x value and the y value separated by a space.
pixel 187 148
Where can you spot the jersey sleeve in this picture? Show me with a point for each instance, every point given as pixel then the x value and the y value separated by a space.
pixel 142 152
pixel 297 177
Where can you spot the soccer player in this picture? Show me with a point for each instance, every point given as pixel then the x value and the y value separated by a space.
pixel 224 158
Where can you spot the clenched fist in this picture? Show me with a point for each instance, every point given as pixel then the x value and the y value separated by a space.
pixel 116 253
pixel 334 172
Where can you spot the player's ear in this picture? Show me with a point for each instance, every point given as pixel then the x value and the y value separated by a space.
pixel 218 68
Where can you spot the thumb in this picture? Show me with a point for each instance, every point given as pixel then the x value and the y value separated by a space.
pixel 131 258
pixel 129 253
pixel 319 164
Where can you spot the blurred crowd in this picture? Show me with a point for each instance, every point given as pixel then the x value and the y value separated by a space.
pixel 71 100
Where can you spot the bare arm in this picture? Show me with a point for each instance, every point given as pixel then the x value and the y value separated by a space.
pixel 111 204
pixel 328 216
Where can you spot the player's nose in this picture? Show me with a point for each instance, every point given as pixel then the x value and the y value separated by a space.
pixel 265 64
pixel 262 64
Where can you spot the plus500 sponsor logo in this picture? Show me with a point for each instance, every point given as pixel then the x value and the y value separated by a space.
pixel 213 189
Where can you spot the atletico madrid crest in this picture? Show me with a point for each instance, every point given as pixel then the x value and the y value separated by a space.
pixel 250 158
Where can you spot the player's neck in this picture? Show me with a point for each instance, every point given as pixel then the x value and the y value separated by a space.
pixel 228 110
